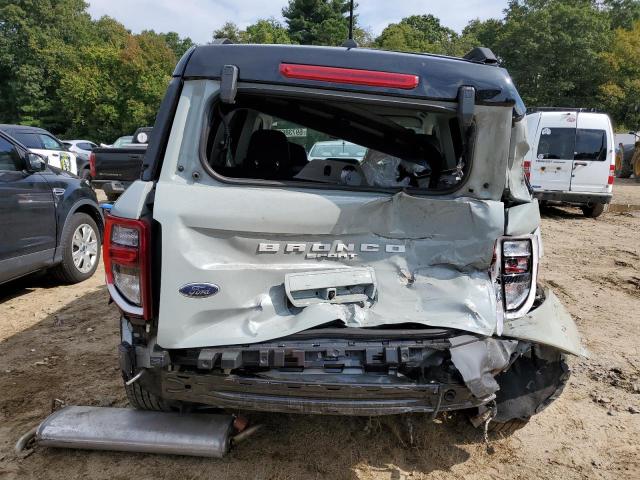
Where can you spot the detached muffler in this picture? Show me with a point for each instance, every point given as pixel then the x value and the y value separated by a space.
pixel 128 430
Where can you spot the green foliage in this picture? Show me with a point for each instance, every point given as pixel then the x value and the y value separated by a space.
pixel 553 50
pixel 318 22
pixel 229 30
pixel 418 33
pixel 620 94
pixel 78 77
pixel 263 31
pixel 623 13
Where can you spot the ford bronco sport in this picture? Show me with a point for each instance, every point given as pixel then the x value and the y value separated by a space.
pixel 250 277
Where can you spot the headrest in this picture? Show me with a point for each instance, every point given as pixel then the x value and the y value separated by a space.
pixel 268 155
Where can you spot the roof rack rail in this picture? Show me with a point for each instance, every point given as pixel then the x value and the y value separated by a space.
pixel 563 109
pixel 482 55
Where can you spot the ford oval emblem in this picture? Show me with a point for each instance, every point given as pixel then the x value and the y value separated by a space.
pixel 199 290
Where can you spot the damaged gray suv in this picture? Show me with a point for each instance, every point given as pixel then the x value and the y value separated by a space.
pixel 401 279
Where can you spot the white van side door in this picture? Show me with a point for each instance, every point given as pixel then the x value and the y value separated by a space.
pixel 552 160
pixel 593 153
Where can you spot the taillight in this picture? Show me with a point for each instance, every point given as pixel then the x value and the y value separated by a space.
pixel 372 78
pixel 127 266
pixel 92 164
pixel 612 174
pixel 518 273
pixel 526 166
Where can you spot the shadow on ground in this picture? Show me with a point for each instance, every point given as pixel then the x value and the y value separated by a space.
pixel 75 360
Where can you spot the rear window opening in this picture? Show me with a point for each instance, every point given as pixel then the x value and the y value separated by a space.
pixel 307 142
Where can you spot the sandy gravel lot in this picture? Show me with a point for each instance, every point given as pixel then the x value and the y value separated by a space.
pixel 59 342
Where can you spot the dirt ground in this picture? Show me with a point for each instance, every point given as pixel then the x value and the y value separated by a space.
pixel 59 342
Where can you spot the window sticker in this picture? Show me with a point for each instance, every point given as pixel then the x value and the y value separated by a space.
pixel 546 131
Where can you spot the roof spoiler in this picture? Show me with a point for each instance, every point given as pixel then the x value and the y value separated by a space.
pixel 482 55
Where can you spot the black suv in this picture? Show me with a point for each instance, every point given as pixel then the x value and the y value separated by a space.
pixel 49 218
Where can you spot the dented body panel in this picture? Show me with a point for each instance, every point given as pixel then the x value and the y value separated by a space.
pixel 303 293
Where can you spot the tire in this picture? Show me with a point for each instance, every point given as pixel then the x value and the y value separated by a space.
pixel 68 271
pixel 142 399
pixel 507 428
pixel 112 197
pixel 625 173
pixel 593 211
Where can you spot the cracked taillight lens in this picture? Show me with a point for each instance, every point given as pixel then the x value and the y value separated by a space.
pixel 517 270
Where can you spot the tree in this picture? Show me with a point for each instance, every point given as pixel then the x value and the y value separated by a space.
pixel 63 71
pixel 623 13
pixel 621 93
pixel 479 33
pixel 265 31
pixel 229 30
pixel 418 33
pixel 178 45
pixel 318 22
pixel 553 50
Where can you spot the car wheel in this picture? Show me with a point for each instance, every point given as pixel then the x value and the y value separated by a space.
pixel 593 211
pixel 80 245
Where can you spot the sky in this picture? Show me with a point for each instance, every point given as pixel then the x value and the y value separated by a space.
pixel 199 18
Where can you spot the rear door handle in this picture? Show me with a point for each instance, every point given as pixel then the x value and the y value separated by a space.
pixel 576 164
pixel 55 154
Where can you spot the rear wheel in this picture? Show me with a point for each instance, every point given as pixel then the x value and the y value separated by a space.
pixel 80 244
pixel 142 399
pixel 593 211
pixel 507 428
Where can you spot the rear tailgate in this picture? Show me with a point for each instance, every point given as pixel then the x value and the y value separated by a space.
pixel 121 164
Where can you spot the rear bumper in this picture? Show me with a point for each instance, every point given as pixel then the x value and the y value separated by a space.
pixel 111 186
pixel 337 376
pixel 367 394
pixel 573 198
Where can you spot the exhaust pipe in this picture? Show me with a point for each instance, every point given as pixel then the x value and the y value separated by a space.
pixel 127 430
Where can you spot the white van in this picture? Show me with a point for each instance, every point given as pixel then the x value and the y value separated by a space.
pixel 571 160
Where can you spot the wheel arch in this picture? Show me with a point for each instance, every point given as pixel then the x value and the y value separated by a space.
pixel 81 206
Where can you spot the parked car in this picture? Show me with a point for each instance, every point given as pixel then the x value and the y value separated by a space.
pixel 44 143
pixel 113 169
pixel 336 149
pixel 82 149
pixel 572 159
pixel 242 286
pixel 50 219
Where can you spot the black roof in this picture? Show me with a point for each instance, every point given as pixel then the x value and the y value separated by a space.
pixel 12 129
pixel 440 76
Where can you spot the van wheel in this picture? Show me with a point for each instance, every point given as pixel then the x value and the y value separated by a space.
pixel 593 211
pixel 80 244
pixel 142 399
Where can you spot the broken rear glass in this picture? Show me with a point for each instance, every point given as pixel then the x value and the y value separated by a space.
pixel 306 142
